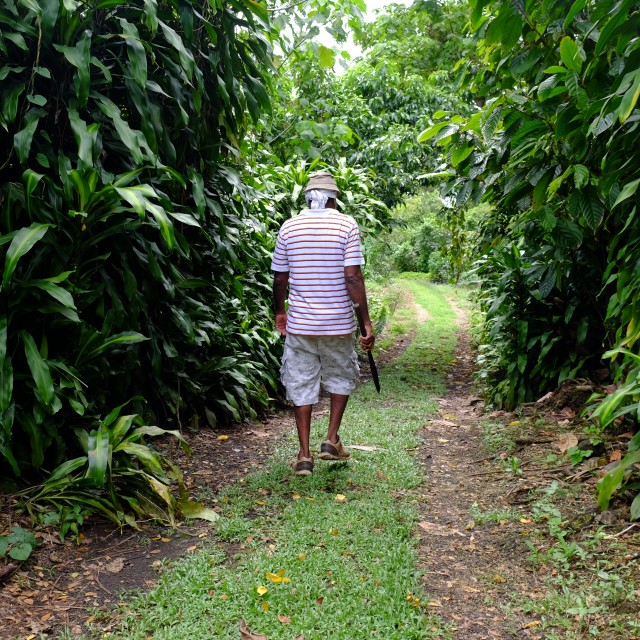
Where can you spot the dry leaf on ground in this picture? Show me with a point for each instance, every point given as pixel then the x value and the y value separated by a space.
pixel 115 566
pixel 246 634
pixel 365 447
pixel 566 441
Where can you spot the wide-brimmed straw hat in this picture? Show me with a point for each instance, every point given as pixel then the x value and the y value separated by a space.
pixel 322 181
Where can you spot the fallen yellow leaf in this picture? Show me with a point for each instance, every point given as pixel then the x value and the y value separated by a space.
pixel 265 605
pixel 165 539
pixel 530 625
pixel 296 496
pixel 302 557
pixel 192 548
pixel 262 502
pixel 278 577
pixel 333 532
pixel 442 440
pixel 223 438
pixel 514 423
pixel 498 578
pixel 262 590
pixel 340 497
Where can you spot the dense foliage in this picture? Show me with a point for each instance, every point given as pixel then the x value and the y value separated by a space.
pixel 369 114
pixel 135 264
pixel 554 150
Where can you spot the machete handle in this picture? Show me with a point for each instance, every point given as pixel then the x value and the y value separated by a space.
pixel 361 326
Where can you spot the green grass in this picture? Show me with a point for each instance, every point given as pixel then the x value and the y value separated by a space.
pixel 350 563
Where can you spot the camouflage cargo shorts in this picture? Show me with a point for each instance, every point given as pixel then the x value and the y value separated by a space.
pixel 309 361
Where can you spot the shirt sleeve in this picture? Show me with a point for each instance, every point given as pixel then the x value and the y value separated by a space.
pixel 280 260
pixel 353 255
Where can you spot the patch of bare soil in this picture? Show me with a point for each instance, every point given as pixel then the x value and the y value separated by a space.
pixel 472 569
pixel 468 570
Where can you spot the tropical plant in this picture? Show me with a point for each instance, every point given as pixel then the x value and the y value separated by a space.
pixel 132 263
pixel 117 475
pixel 553 149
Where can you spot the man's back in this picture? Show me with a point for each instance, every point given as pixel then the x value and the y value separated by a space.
pixel 315 247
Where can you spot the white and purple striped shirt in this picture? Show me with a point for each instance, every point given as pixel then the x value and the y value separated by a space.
pixel 314 247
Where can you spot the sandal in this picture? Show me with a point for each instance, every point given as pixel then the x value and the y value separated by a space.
pixel 303 467
pixel 331 451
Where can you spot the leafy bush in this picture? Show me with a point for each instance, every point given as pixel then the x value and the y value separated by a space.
pixel 117 475
pixel 132 262
pixel 553 149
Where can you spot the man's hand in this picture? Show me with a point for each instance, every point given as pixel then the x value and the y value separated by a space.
pixel 367 341
pixel 281 323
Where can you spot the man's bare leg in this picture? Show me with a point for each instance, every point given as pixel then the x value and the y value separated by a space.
pixel 338 405
pixel 303 424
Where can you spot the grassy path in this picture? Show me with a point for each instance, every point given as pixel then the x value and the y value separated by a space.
pixel 340 546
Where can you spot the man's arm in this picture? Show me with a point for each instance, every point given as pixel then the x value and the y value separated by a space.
pixel 280 288
pixel 356 290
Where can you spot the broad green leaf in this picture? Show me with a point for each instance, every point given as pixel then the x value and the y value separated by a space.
pixel 130 138
pixel 186 57
pixel 326 57
pixel 635 508
pixel 151 15
pixel 39 368
pixel 98 456
pixel 166 226
pixel 576 8
pixel 608 484
pixel 146 456
pixel 80 57
pixel 567 234
pixel 50 10
pixel 119 428
pixel 460 154
pixel 86 138
pixel 431 131
pixel 629 99
pixel 628 190
pixel 10 102
pixel 572 55
pixel 580 175
pixel 135 52
pixel 56 292
pixel 185 218
pixel 136 197
pixel 618 16
pixel 66 469
pixel 23 139
pixel 22 242
pixel 118 340
pixel 21 551
pixel 17 39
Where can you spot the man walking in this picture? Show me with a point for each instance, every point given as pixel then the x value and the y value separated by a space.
pixel 318 260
